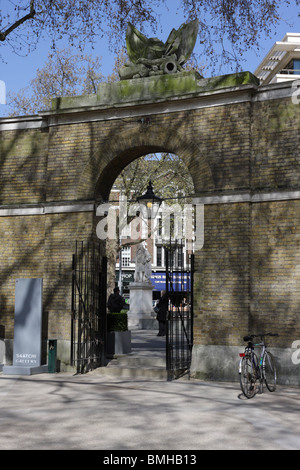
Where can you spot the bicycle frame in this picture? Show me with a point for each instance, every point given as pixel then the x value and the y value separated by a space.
pixel 258 364
pixel 260 367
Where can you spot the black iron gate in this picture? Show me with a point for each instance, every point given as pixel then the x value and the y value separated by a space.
pixel 88 323
pixel 179 286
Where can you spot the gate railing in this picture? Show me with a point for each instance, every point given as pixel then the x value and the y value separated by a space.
pixel 88 320
pixel 179 286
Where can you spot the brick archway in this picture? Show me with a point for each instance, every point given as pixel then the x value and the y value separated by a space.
pixel 107 162
pixel 240 143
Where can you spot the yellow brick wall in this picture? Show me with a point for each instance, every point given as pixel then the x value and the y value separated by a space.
pixel 23 163
pixel 222 276
pixel 275 269
pixel 22 256
pixel 247 274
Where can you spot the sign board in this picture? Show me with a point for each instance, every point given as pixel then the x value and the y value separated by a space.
pixel 27 328
pixel 180 281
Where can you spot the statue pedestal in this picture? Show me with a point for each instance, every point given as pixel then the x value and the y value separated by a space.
pixel 140 304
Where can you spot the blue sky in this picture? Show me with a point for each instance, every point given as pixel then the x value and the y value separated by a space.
pixel 18 71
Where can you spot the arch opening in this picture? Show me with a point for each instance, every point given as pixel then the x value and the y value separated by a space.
pixel 173 183
pixel 127 146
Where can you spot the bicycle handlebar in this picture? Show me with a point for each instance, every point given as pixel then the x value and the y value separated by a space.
pixel 250 337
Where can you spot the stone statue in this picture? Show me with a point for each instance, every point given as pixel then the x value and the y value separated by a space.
pixel 150 57
pixel 143 268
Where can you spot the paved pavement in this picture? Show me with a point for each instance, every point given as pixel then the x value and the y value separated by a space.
pixel 94 412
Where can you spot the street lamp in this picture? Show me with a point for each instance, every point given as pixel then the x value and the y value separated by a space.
pixel 150 200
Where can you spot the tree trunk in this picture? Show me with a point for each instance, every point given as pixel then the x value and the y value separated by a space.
pixel 112 249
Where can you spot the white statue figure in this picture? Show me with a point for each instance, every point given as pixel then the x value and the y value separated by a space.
pixel 143 268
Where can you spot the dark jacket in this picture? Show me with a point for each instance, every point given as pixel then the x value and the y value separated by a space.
pixel 162 304
pixel 115 303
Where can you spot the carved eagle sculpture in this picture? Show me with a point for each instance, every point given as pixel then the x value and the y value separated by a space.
pixel 153 57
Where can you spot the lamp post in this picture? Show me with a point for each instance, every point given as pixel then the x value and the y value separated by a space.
pixel 150 200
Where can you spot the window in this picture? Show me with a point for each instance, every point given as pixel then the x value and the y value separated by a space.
pixel 296 66
pixel 178 258
pixel 160 227
pixel 159 256
pixel 292 68
pixel 126 256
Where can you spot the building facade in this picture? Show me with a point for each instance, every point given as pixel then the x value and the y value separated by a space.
pixel 167 226
pixel 282 63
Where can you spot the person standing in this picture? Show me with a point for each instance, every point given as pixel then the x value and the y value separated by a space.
pixel 162 307
pixel 115 301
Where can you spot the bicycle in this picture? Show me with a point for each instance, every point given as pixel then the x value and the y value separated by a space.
pixel 252 370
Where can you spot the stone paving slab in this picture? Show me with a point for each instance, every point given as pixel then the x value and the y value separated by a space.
pixel 90 412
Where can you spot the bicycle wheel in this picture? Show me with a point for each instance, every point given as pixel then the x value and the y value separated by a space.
pixel 248 375
pixel 270 372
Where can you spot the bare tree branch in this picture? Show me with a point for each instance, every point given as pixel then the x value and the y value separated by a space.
pixel 16 24
pixel 239 24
